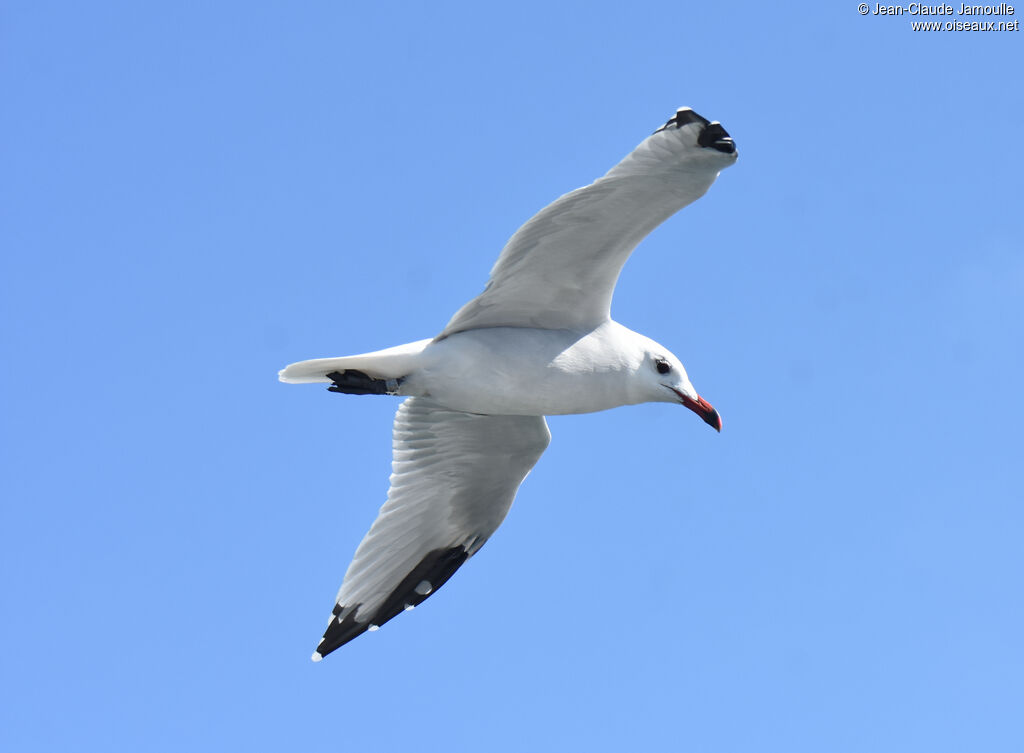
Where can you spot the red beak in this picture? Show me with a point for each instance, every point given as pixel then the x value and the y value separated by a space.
pixel 702 408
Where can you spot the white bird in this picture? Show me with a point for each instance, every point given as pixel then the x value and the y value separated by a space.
pixel 538 341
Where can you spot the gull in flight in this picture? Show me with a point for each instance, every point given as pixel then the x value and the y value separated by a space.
pixel 539 340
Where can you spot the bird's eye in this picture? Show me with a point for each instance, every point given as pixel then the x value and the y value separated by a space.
pixel 662 366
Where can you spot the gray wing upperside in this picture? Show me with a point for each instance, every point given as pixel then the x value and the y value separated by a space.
pixel 559 270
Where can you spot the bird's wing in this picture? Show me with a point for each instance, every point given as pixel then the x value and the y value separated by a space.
pixel 454 476
pixel 559 269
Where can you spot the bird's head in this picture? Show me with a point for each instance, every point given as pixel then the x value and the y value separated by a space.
pixel 667 381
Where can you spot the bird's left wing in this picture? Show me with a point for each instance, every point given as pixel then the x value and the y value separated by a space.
pixel 559 269
pixel 454 476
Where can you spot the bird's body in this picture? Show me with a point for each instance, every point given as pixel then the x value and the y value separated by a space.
pixel 523 371
pixel 538 341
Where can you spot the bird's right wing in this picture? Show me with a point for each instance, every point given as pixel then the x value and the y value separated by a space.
pixel 559 269
pixel 454 476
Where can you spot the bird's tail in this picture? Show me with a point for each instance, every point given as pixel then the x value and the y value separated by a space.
pixel 388 364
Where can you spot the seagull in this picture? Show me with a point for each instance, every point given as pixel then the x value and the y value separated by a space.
pixel 538 341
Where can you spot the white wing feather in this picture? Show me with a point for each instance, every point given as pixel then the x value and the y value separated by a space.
pixel 454 476
pixel 559 269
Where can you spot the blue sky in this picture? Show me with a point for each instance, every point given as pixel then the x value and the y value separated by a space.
pixel 195 196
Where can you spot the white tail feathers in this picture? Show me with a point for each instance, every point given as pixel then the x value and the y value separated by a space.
pixel 390 363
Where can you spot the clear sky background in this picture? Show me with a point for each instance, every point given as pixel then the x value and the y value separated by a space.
pixel 194 195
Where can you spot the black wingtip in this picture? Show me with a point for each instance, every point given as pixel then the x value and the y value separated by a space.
pixel 342 629
pixel 712 134
pixel 716 137
pixel 683 116
pixel 430 574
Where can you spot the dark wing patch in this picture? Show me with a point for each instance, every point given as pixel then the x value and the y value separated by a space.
pixel 716 137
pixel 355 382
pixel 683 116
pixel 712 134
pixel 433 572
